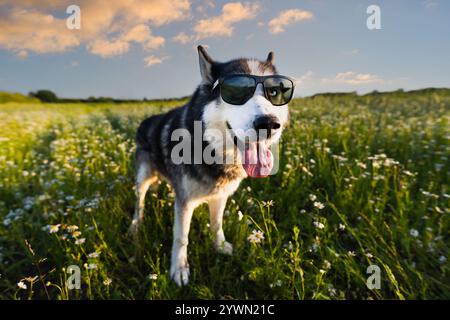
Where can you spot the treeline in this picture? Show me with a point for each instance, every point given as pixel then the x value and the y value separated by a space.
pixel 399 92
pixel 48 96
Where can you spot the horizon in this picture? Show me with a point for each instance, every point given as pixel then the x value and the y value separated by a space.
pixel 149 50
pixel 145 99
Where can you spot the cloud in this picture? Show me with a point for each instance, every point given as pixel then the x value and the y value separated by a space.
pixel 223 25
pixel 143 35
pixel 206 4
pixel 304 78
pixel 183 38
pixel 29 30
pixel 22 54
pixel 353 78
pixel 140 34
pixel 430 3
pixel 352 52
pixel 106 49
pixel 152 60
pixel 108 28
pixel 287 17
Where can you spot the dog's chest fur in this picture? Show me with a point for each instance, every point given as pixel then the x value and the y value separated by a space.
pixel 201 191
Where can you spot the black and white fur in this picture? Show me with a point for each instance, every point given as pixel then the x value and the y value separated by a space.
pixel 198 183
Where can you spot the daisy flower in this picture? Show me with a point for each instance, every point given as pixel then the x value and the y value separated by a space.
pixel 256 236
pixel 269 203
pixel 53 228
pixel 414 233
pixel 76 234
pixel 319 205
pixel 318 225
pixel 22 285
pixel 90 266
pixel 80 241
pixel 94 255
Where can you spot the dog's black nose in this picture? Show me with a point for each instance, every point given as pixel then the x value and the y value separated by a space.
pixel 267 123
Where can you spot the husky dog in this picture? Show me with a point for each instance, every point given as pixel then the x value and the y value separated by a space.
pixel 233 97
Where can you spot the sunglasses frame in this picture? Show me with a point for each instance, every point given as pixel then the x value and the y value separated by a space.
pixel 258 80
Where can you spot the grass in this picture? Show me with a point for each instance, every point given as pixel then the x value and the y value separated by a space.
pixel 377 164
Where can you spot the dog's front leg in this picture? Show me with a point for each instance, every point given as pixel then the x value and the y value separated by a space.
pixel 216 208
pixel 179 267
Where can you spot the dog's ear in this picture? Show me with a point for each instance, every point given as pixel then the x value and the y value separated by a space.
pixel 270 57
pixel 206 63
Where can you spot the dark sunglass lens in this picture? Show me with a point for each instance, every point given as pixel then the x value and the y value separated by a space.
pixel 237 89
pixel 278 90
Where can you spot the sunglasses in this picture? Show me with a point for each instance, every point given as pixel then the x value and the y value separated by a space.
pixel 239 88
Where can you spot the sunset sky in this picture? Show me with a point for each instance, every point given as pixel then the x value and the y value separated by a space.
pixel 138 48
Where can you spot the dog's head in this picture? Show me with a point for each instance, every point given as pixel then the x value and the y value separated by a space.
pixel 254 121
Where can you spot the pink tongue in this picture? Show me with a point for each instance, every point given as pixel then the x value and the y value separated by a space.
pixel 258 160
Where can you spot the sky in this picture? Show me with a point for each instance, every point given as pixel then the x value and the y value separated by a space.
pixel 147 48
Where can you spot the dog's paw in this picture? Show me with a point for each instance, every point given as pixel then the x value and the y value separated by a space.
pixel 224 247
pixel 180 274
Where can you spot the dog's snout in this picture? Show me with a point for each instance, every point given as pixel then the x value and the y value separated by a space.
pixel 267 123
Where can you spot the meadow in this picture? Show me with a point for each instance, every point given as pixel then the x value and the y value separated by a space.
pixel 363 180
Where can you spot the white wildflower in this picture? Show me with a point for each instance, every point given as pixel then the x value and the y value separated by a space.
pixel 72 228
pixel 319 205
pixel 80 241
pixel 76 234
pixel 22 285
pixel 414 233
pixel 153 276
pixel 94 255
pixel 318 225
pixel 408 173
pixel 256 237
pixel 269 203
pixel 54 228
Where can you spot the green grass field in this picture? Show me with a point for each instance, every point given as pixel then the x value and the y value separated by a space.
pixel 363 180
